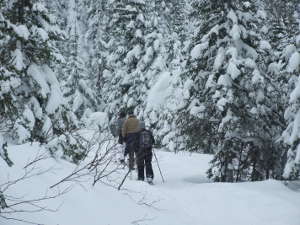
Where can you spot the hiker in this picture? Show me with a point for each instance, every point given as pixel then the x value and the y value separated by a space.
pixel 144 154
pixel 130 133
pixel 120 122
pixel 119 125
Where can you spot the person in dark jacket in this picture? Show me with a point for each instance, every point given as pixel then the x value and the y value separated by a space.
pixel 144 154
pixel 120 122
pixel 130 133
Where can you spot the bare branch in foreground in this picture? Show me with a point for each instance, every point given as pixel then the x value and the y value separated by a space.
pixel 101 155
pixel 12 205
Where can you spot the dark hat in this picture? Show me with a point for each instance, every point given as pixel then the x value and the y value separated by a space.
pixel 122 114
pixel 130 111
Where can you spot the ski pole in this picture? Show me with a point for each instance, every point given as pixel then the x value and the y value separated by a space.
pixel 124 179
pixel 163 180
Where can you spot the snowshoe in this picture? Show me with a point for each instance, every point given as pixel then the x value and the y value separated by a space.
pixel 150 181
pixel 122 163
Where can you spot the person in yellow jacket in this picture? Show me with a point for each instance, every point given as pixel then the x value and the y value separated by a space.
pixel 130 133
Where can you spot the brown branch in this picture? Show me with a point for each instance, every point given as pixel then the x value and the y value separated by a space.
pixel 98 166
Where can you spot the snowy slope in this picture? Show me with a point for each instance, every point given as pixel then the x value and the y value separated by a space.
pixel 186 198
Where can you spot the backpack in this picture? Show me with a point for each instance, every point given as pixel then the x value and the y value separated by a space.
pixel 146 139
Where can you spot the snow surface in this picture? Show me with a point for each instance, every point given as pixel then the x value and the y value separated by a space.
pixel 186 198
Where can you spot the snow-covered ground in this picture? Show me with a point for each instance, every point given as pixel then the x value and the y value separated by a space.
pixel 186 197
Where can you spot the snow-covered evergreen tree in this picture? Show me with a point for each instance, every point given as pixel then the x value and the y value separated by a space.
pixel 32 104
pixel 281 17
pixel 292 114
pixel 228 91
pixel 135 55
pixel 196 120
pixel 282 32
pixel 174 13
pixel 98 39
pixel 162 113
pixel 209 76
pixel 77 85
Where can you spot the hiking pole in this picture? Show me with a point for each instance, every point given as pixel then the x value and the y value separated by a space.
pixel 124 179
pixel 162 177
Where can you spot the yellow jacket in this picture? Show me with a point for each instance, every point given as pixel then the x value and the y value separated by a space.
pixel 131 125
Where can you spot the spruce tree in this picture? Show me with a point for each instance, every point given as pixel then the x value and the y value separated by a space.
pixel 135 55
pixel 98 40
pixel 282 15
pixel 32 104
pixel 292 115
pixel 196 119
pixel 77 80
pixel 228 97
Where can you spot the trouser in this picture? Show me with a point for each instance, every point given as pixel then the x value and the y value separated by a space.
pixel 131 147
pixel 120 139
pixel 144 161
